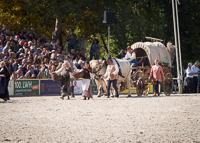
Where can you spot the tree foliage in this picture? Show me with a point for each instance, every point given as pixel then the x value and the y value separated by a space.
pixel 135 20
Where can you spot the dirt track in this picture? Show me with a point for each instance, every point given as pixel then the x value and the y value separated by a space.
pixel 145 119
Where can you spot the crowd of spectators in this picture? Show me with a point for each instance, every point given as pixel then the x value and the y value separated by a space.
pixel 30 57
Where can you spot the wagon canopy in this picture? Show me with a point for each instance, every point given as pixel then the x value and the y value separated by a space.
pixel 152 51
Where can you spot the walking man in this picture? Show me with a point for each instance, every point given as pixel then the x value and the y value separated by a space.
pixel 195 69
pixel 73 68
pixel 111 76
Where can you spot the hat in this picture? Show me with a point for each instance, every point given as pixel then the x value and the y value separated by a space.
pixel 67 57
pixel 32 47
pixel 109 59
pixel 52 51
pixel 75 62
pixel 38 48
pixel 197 62
pixel 21 54
pixel 128 47
pixel 80 61
pixel 25 43
pixel 29 42
pixel 189 64
pixel 72 29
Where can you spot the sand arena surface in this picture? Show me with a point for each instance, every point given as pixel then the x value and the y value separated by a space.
pixel 137 119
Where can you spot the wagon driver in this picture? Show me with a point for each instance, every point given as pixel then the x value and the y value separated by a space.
pixel 131 57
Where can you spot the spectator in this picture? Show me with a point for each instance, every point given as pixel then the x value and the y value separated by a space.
pixel 1 46
pixel 95 50
pixel 27 76
pixel 32 32
pixel 121 54
pixel 43 73
pixel 189 75
pixel 33 76
pixel 195 69
pixel 37 70
pixel 7 47
pixel 71 38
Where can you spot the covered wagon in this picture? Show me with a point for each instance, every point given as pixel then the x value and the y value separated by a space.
pixel 146 54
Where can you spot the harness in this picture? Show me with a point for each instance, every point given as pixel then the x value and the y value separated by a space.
pixel 120 72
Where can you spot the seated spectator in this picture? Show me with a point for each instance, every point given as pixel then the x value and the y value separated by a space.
pixel 27 76
pixel 43 73
pixel 33 76
pixel 19 52
pixel 37 70
pixel 13 76
pixel 121 54
pixel 20 71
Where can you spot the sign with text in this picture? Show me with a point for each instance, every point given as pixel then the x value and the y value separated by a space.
pixel 49 87
pixel 26 87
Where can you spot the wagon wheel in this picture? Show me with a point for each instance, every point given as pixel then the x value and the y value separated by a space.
pixel 168 84
pixel 141 87
pixel 146 90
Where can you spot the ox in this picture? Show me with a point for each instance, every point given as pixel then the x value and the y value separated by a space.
pixel 99 69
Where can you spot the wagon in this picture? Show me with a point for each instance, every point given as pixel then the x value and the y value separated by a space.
pixel 146 53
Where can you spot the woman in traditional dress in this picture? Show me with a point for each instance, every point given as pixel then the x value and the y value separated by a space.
pixel 4 79
pixel 157 75
pixel 86 87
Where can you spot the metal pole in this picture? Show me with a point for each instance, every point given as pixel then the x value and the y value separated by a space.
pixel 179 48
pixel 175 39
pixel 108 40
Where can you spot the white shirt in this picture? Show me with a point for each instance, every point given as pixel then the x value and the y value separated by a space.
pixel 60 70
pixel 195 70
pixel 188 71
pixel 116 70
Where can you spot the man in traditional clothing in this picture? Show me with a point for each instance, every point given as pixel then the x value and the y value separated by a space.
pixel 131 57
pixel 111 76
pixel 65 81
pixel 73 68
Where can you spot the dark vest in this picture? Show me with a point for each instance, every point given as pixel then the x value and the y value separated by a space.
pixel 65 72
pixel 86 74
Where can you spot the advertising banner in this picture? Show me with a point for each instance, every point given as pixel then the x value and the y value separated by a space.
pixel 26 87
pixel 49 87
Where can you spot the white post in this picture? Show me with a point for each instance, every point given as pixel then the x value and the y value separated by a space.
pixel 108 40
pixel 179 49
pixel 175 39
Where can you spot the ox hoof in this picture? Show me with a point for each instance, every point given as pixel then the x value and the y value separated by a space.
pixel 129 95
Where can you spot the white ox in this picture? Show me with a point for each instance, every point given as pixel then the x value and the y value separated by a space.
pixel 99 69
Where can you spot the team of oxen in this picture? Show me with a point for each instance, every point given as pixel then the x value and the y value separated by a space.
pixel 99 69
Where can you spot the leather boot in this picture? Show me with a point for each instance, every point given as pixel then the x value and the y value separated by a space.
pixel 84 98
pixel 158 93
pixel 154 94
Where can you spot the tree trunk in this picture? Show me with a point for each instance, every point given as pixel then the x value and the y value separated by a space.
pixel 57 34
pixel 104 44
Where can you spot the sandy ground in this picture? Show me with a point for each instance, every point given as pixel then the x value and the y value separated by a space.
pixel 137 119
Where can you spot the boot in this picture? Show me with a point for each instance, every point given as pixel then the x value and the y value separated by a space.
pixel 117 95
pixel 72 92
pixel 154 94
pixel 84 98
pixel 88 98
pixel 108 96
pixel 158 93
pixel 68 98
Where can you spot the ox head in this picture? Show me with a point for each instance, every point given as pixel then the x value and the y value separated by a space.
pixel 98 66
